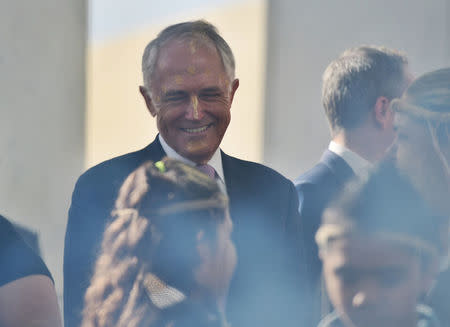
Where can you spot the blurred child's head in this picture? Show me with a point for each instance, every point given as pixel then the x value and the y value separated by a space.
pixel 379 247
pixel 169 243
pixel 422 120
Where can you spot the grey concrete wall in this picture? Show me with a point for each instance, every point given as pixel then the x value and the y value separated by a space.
pixel 42 105
pixel 304 36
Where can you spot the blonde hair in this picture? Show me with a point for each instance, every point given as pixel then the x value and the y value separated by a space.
pixel 428 99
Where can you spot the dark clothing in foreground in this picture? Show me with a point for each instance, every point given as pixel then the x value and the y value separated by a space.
pixel 17 259
pixel 29 236
pixel 268 286
pixel 316 188
pixel 426 318
pixel 189 314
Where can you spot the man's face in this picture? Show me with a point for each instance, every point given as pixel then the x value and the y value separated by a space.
pixel 372 282
pixel 191 98
pixel 417 157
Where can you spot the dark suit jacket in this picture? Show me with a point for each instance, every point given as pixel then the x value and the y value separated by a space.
pixel 316 188
pixel 30 237
pixel 264 210
pixel 17 258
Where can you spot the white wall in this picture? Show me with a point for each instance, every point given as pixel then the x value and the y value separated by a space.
pixel 42 86
pixel 305 35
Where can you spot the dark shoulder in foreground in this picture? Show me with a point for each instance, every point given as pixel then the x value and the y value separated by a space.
pixel 17 259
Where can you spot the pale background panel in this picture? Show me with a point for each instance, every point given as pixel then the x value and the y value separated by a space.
pixel 42 104
pixel 304 36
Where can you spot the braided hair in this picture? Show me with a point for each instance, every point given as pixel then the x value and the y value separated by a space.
pixel 148 244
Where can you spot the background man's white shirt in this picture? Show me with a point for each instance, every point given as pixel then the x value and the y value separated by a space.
pixel 358 164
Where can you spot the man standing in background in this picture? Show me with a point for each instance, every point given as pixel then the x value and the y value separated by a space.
pixel 357 90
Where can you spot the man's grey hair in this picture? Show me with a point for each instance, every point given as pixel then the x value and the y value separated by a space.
pixel 194 30
pixel 353 82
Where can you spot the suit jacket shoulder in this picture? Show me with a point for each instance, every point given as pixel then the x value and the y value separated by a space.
pixel 254 174
pixel 92 201
pixel 256 187
pixel 110 174
pixel 318 185
pixel 330 166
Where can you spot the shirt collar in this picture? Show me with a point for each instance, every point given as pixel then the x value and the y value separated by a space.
pixel 215 161
pixel 358 164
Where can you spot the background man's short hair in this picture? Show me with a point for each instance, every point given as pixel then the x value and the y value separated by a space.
pixel 198 30
pixel 353 82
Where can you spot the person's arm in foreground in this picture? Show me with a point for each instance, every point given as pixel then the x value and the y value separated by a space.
pixel 29 301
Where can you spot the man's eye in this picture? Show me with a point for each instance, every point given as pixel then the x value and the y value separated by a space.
pixel 210 96
pixel 176 98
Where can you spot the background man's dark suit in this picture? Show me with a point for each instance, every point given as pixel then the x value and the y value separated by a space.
pixel 264 210
pixel 316 188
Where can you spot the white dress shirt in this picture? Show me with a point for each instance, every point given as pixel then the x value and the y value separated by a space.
pixel 358 164
pixel 215 161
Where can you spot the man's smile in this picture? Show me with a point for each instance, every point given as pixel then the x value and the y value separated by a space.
pixel 196 130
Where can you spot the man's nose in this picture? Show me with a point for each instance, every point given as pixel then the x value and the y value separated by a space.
pixel 194 110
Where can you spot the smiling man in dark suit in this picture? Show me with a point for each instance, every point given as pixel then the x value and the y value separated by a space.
pixel 189 85
pixel 356 93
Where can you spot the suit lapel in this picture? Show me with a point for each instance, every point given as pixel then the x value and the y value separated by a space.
pixel 338 166
pixel 153 151
pixel 235 181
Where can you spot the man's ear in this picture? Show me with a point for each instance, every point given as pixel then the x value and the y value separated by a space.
pixel 148 100
pixel 383 113
pixel 234 87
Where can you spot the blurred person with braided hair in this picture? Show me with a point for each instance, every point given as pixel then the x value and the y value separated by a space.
pixel 423 144
pixel 422 151
pixel 166 257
